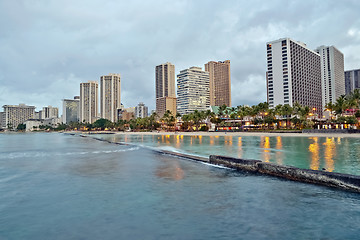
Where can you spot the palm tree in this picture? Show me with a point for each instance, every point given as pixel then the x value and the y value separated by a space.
pixel 287 110
pixel 169 119
pixel 186 118
pixel 340 105
pixel 222 110
pixel 355 96
pixel 253 112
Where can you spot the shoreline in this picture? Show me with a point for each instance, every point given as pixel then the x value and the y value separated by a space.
pixel 243 134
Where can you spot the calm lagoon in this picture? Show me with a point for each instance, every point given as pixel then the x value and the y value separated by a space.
pixel 56 186
pixel 333 154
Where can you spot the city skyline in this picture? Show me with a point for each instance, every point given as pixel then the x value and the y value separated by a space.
pixel 49 49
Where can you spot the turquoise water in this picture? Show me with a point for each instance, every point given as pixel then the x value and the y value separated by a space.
pixel 333 154
pixel 54 186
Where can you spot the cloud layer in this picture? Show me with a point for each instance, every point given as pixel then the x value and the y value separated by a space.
pixel 49 47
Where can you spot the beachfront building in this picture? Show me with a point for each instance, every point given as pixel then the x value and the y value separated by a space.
pixel 71 109
pixel 352 80
pixel 165 89
pixel 141 111
pixel 49 112
pixel 110 96
pixel 193 90
pixel 219 82
pixel 17 114
pixel 34 124
pixel 293 74
pixel 332 73
pixel 89 101
pixel 2 120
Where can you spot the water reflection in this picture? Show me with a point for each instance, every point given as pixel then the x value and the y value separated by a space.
pixel 330 152
pixel 240 151
pixel 170 170
pixel 212 140
pixel 265 144
pixel 314 150
pixel 314 153
pixel 279 154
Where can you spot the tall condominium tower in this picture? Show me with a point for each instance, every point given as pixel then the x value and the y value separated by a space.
pixel 293 75
pixel 165 88
pixel 71 110
pixel 17 114
pixel 89 101
pixel 110 97
pixel 352 80
pixel 332 73
pixel 220 83
pixel 193 90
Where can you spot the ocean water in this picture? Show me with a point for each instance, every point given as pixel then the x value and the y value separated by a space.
pixel 56 186
pixel 333 154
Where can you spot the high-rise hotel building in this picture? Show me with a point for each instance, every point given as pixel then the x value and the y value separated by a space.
pixel 14 115
pixel 193 90
pixel 220 82
pixel 110 96
pixel 332 73
pixel 352 80
pixel 293 74
pixel 71 110
pixel 165 88
pixel 89 101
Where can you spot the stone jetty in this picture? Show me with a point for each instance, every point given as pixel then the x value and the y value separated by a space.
pixel 330 179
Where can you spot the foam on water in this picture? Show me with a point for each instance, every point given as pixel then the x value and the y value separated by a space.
pixel 16 155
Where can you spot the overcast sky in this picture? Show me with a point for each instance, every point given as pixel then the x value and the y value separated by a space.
pixel 48 47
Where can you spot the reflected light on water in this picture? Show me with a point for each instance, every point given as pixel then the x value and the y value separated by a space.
pixel 265 143
pixel 330 151
pixel 339 140
pixel 279 154
pixel 211 140
pixel 228 140
pixel 170 170
pixel 240 151
pixel 177 144
pixel 314 150
pixel 200 139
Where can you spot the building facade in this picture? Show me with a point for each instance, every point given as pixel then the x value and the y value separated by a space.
pixel 220 82
pixel 165 103
pixel 193 90
pixel 49 112
pixel 165 88
pixel 17 114
pixel 352 80
pixel 332 73
pixel 2 120
pixel 141 111
pixel 293 74
pixel 110 96
pixel 89 101
pixel 71 110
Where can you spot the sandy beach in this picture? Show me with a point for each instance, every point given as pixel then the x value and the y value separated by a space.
pixel 342 135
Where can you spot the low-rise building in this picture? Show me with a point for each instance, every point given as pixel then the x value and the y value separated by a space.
pixel 34 124
pixel 141 111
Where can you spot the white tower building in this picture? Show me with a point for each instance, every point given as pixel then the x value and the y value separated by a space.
pixel 293 75
pixel 110 96
pixel 332 73
pixel 193 90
